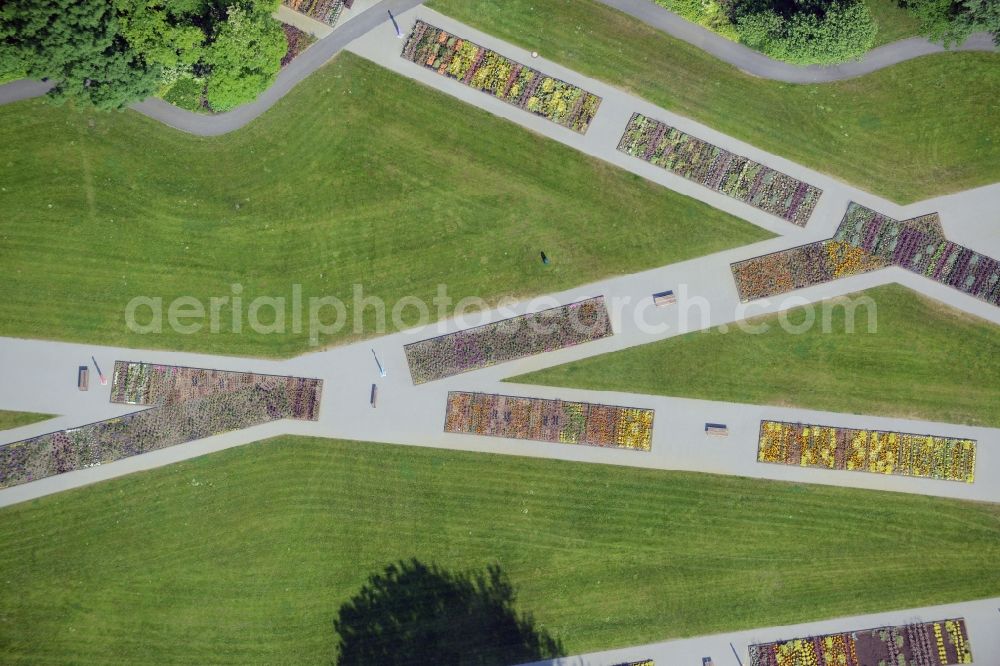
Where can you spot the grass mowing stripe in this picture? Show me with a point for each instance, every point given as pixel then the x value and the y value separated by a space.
pixel 359 176
pixel 246 554
pixel 907 132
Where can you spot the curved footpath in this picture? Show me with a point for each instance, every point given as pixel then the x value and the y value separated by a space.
pixel 745 59
pixel 758 64
pixel 222 123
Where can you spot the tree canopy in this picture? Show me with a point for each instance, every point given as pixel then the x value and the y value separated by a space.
pixel 244 57
pixel 805 31
pixel 414 613
pixel 112 53
pixel 952 21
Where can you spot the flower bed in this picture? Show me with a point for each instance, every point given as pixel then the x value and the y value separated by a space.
pixel 865 241
pixel 514 83
pixel 799 267
pixel 919 246
pixel 327 11
pixel 940 643
pixel 549 420
pixel 187 404
pixel 644 662
pixel 298 41
pixel 508 339
pixel 878 451
pixel 137 383
pixel 718 169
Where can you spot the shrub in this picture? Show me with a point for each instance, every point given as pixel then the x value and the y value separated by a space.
pixel 809 35
pixel 952 21
pixel 245 57
pixel 187 93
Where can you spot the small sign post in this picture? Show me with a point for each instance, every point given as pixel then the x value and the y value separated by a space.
pixel 399 33
pixel 381 370
pixel 104 380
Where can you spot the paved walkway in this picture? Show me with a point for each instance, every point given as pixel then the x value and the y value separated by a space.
pixel 408 414
pixel 222 123
pixel 414 415
pixel 362 19
pixel 976 209
pixel 981 620
pixel 756 63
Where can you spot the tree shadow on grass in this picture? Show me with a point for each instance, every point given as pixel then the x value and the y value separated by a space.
pixel 413 614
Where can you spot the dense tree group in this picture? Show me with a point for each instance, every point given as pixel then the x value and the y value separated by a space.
pixel 805 31
pixel 952 21
pixel 829 31
pixel 113 52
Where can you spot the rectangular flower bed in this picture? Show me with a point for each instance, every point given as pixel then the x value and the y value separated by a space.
pixel 549 420
pixel 137 383
pixel 718 169
pixel 878 451
pixel 327 11
pixel 644 662
pixel 187 404
pixel 940 643
pixel 866 241
pixel 497 75
pixel 508 339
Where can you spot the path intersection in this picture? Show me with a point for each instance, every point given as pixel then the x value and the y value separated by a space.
pixel 414 414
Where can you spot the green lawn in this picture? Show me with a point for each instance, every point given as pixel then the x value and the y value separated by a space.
pixel 10 420
pixel 358 176
pixel 924 361
pixel 908 132
pixel 246 555
pixel 894 22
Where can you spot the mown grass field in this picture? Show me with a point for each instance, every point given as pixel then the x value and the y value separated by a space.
pixel 10 419
pixel 924 360
pixel 246 555
pixel 907 132
pixel 894 22
pixel 358 176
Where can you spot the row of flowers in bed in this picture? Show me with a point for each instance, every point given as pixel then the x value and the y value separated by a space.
pixel 919 245
pixel 188 404
pixel 878 451
pixel 549 420
pixel 940 643
pixel 505 79
pixel 865 241
pixel 508 339
pixel 718 169
pixel 138 383
pixel 327 11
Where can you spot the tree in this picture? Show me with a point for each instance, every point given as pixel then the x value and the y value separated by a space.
pixel 244 57
pixel 952 21
pixel 417 614
pixel 163 33
pixel 77 43
pixel 808 31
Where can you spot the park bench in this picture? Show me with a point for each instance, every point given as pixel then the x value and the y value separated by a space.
pixel 716 430
pixel 83 378
pixel 664 298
